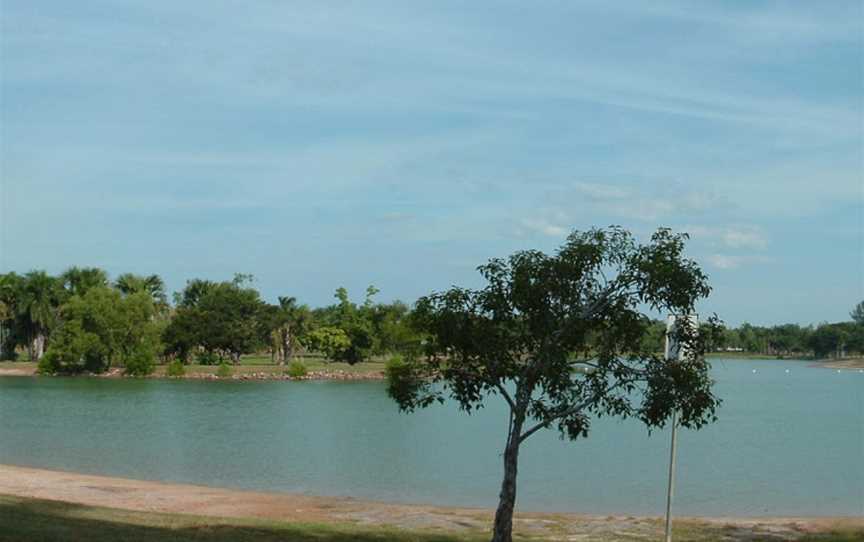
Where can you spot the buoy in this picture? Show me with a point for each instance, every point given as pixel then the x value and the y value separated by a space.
pixel 787 371
pixel 754 370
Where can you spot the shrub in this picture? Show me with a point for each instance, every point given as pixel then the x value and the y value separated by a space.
pixel 224 370
pixel 140 363
pixel 175 368
pixel 207 358
pixel 296 369
pixel 48 364
pixel 333 342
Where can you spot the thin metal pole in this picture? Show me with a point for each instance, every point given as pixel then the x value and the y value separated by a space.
pixel 671 491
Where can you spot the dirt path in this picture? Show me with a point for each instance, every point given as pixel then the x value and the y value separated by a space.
pixel 181 498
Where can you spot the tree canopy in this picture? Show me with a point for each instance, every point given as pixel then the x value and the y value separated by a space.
pixel 560 339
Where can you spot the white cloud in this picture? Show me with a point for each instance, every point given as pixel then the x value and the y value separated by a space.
pixel 730 261
pixel 601 192
pixel 542 226
pixel 645 202
pixel 735 237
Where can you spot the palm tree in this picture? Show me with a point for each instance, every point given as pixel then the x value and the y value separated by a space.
pixel 10 288
pixel 294 319
pixel 152 285
pixel 38 305
pixel 77 280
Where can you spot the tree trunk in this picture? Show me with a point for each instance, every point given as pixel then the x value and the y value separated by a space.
pixel 286 342
pixel 503 528
pixel 36 348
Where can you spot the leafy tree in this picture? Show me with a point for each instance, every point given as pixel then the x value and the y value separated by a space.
pixel 195 289
pixel 835 340
pixel 356 324
pixel 857 314
pixel 393 329
pixel 525 335
pixel 100 328
pixel 330 341
pixel 222 318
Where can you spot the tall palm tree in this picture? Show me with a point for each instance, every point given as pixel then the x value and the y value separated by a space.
pixel 152 285
pixel 10 288
pixel 295 320
pixel 38 305
pixel 77 280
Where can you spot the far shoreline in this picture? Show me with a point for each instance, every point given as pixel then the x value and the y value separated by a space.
pixel 369 371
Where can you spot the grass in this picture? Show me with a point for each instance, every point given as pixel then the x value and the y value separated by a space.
pixel 249 364
pixel 26 519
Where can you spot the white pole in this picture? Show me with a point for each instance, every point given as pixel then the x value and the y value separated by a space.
pixel 675 352
pixel 671 476
pixel 672 352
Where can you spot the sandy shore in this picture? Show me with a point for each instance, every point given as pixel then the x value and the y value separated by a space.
pixel 189 499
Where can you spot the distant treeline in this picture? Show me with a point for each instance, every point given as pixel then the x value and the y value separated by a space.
pixel 834 340
pixel 81 321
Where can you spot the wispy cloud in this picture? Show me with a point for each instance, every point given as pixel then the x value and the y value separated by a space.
pixel 743 237
pixel 541 226
pixel 433 132
pixel 731 262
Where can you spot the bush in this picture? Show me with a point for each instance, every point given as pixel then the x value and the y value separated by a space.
pixel 140 363
pixel 48 364
pixel 175 368
pixel 207 358
pixel 296 369
pixel 224 370
pixel 333 342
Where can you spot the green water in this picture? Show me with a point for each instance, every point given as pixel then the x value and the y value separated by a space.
pixel 787 443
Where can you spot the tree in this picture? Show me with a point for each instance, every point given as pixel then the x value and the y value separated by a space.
pixel 285 325
pixel 39 299
pixel 77 280
pixel 333 342
pixel 828 340
pixel 222 318
pixel 102 327
pixel 560 338
pixel 857 314
pixel 152 285
pixel 11 333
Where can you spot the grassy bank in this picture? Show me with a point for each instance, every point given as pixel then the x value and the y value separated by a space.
pixel 249 365
pixel 26 519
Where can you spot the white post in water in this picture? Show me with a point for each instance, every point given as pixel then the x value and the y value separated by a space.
pixel 673 352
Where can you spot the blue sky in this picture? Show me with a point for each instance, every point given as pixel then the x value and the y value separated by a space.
pixel 325 144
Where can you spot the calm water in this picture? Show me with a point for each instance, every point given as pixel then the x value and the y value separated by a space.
pixel 786 443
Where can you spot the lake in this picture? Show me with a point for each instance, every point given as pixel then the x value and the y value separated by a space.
pixel 789 441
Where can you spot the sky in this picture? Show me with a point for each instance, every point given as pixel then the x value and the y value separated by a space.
pixel 322 144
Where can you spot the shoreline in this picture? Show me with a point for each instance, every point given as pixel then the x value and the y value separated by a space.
pixel 245 373
pixel 278 373
pixel 165 497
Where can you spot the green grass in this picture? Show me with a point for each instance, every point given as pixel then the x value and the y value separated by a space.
pixel 248 365
pixel 25 519
pixel 41 520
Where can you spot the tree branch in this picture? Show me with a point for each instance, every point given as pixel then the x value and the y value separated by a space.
pixel 568 412
pixel 506 395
